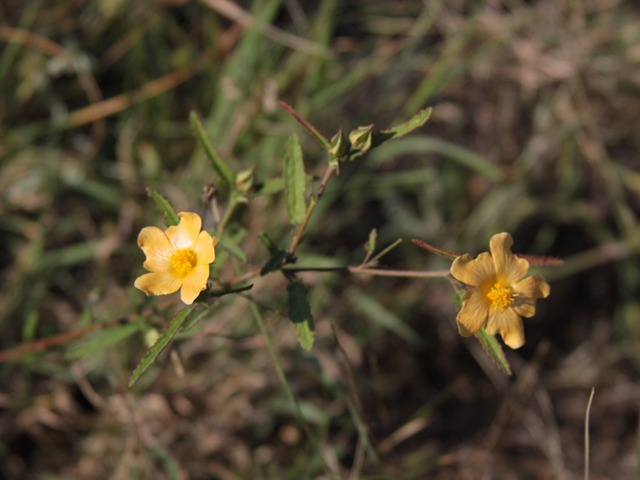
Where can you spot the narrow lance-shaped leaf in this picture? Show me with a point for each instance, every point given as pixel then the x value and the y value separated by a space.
pixel 534 260
pixel 274 262
pixel 308 127
pixel 160 344
pixel 401 130
pixel 488 342
pixel 216 160
pixel 164 207
pixel 370 246
pixel 300 314
pixel 294 181
pixel 267 242
pixel 436 250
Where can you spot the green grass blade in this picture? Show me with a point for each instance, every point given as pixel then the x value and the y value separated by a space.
pixel 423 144
pixel 216 160
pixel 383 317
pixel 160 344
pixel 102 340
pixel 226 242
pixel 300 314
pixel 294 181
pixel 164 207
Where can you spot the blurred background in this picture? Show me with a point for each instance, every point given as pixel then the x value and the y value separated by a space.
pixel 535 130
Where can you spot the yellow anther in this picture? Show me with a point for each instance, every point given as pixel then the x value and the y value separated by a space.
pixel 183 262
pixel 501 297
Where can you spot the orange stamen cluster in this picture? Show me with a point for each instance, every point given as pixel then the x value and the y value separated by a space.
pixel 501 297
pixel 183 262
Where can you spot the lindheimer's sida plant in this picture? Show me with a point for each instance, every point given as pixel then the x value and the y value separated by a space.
pixel 492 299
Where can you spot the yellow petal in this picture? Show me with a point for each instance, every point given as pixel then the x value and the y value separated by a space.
pixel 158 283
pixel 186 233
pixel 473 314
pixel 508 324
pixel 473 272
pixel 528 291
pixel 156 246
pixel 509 268
pixel 204 249
pixel 194 284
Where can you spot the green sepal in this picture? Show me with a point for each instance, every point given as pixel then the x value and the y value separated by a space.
pixel 361 140
pixel 245 179
pixel 339 145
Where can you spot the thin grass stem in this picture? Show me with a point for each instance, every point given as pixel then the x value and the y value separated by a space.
pixel 586 435
pixel 285 384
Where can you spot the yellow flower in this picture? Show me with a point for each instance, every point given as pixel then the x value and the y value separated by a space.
pixel 500 297
pixel 179 257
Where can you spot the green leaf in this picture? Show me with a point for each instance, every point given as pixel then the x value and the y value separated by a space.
pixel 534 260
pixel 274 185
pixel 103 339
pixel 165 208
pixel 488 342
pixel 267 242
pixel 493 348
pixel 294 181
pixel 227 291
pixel 160 344
pixel 273 263
pixel 370 246
pixel 300 314
pixel 195 318
pixel 403 129
pixel 216 160
pixel 383 317
pixel 308 127
pixel 268 186
pixel 226 242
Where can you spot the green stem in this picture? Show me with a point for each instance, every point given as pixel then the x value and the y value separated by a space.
pixel 233 203
pixel 285 384
pixel 384 252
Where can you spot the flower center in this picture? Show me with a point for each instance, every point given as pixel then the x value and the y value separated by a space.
pixel 501 297
pixel 183 262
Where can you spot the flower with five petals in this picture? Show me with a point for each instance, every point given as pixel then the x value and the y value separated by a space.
pixel 501 297
pixel 177 258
